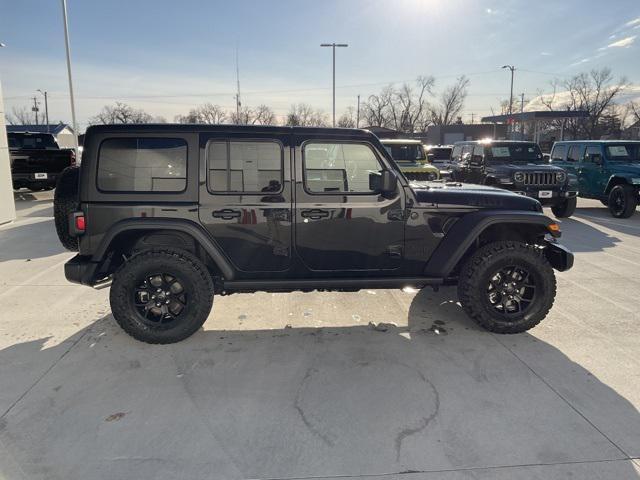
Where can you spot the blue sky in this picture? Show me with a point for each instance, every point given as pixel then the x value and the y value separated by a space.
pixel 168 56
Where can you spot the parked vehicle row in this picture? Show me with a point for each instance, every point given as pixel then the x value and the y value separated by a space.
pixel 411 157
pixel 516 166
pixel 173 214
pixel 37 160
pixel 606 170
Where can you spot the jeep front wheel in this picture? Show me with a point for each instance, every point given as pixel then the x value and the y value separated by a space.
pixel 507 287
pixel 161 296
pixel 565 208
pixel 623 200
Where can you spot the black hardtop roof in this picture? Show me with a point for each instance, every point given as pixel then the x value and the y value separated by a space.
pixel 204 128
pixel 488 142
pixel 596 141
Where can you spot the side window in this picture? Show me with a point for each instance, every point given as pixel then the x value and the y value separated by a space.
pixel 339 167
pixel 591 152
pixel 478 150
pixel 574 153
pixel 558 153
pixel 247 167
pixel 466 152
pixel 456 153
pixel 142 165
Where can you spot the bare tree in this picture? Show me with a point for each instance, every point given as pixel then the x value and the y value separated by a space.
pixel 264 115
pixel 304 115
pixel 207 114
pixel 20 116
pixel 405 108
pixel 348 118
pixel 410 108
pixel 243 117
pixel 450 102
pixel 375 110
pixel 633 110
pixel 120 113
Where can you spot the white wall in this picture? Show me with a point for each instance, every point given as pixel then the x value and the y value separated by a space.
pixel 7 204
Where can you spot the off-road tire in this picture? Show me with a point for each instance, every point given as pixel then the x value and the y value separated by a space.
pixel 479 269
pixel 198 286
pixel 629 198
pixel 65 201
pixel 566 208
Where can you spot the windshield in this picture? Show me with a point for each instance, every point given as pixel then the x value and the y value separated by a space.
pixel 27 140
pixel 408 152
pixel 624 152
pixel 513 152
pixel 440 154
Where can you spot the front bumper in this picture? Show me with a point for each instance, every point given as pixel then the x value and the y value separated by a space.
pixel 30 178
pixel 551 195
pixel 559 256
pixel 81 270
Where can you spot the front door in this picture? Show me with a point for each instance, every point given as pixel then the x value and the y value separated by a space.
pixel 341 225
pixel 591 174
pixel 245 198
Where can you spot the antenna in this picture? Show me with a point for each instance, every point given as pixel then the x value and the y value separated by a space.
pixel 238 102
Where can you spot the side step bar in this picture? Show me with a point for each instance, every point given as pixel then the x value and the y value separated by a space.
pixel 327 284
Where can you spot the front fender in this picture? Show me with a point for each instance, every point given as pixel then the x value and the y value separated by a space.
pixel 466 231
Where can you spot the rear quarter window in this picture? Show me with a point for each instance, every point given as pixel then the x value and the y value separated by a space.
pixel 142 165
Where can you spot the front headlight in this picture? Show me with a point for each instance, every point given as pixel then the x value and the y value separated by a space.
pixel 432 176
pixel 561 177
pixel 518 177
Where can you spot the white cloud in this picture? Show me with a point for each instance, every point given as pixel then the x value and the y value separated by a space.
pixel 623 43
pixel 633 22
pixel 546 54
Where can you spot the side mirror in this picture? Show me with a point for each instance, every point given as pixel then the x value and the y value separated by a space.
pixel 546 158
pixel 476 160
pixel 384 182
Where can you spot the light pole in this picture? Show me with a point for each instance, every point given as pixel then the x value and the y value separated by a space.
pixel 46 108
pixel 68 50
pixel 333 46
pixel 512 68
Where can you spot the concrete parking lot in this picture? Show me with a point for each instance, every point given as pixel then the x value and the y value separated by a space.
pixel 282 386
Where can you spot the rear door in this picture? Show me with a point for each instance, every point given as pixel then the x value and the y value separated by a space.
pixel 341 225
pixel 245 197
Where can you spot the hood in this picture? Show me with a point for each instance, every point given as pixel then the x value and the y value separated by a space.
pixel 524 167
pixel 463 195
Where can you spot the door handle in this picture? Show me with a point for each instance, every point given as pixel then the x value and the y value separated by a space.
pixel 226 214
pixel 314 214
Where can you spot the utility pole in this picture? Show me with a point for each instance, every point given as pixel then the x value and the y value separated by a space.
pixel 238 102
pixel 35 108
pixel 522 116
pixel 68 50
pixel 512 68
pixel 333 46
pixel 46 108
pixel 472 117
pixel 358 113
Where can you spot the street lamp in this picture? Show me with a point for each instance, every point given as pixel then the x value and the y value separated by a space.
pixel 68 50
pixel 46 108
pixel 512 68
pixel 333 46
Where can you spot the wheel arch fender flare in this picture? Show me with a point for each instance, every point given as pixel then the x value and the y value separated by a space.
pixel 188 227
pixel 462 235
pixel 616 180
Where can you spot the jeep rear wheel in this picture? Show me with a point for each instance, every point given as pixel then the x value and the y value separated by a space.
pixel 566 208
pixel 507 287
pixel 65 201
pixel 623 200
pixel 161 296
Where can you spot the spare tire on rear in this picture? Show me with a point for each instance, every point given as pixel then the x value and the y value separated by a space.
pixel 65 201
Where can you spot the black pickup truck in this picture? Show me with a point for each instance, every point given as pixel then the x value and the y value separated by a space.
pixel 37 160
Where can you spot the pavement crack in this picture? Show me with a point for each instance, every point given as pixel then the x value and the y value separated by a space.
pixel 303 416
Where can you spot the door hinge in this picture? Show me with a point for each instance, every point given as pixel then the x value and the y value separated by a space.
pixel 397 214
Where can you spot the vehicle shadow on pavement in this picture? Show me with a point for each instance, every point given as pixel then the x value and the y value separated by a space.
pixel 30 241
pixel 580 237
pixel 435 394
pixel 600 216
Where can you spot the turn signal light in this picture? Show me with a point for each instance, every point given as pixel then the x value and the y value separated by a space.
pixel 554 229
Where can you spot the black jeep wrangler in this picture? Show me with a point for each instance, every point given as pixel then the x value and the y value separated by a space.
pixel 516 166
pixel 173 214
